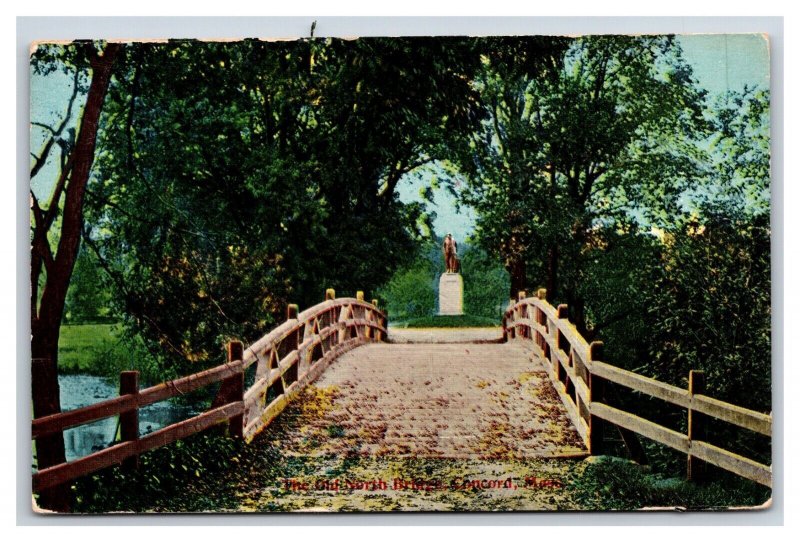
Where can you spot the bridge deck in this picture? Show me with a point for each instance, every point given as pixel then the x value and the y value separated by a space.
pixel 468 401
pixel 445 335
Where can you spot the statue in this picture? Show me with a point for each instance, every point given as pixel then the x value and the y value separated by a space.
pixel 451 285
pixel 450 250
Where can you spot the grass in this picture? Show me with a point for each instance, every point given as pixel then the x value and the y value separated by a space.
pixel 80 347
pixel 102 350
pixel 465 320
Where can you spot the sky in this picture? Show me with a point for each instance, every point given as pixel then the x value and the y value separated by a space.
pixel 719 61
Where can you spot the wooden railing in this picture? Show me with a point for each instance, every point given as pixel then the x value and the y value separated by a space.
pixel 579 375
pixel 296 352
pixel 286 359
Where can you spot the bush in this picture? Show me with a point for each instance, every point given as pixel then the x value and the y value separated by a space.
pixel 609 483
pixel 410 292
pixel 163 475
pixel 486 284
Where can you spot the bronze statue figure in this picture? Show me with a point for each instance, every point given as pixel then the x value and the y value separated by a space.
pixel 450 250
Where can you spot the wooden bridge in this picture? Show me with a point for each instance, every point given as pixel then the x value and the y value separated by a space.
pixel 537 391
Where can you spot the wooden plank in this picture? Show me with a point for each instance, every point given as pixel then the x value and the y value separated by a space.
pixel 271 412
pixel 574 338
pixel 526 322
pixel 58 422
pixel 542 305
pixel 743 417
pixel 288 360
pixel 643 427
pixel 112 407
pixel 637 382
pixel 270 339
pixel 582 390
pixel 65 472
pixel 747 468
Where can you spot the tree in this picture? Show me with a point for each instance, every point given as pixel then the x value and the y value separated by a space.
pixel 242 176
pixel 47 309
pixel 605 126
pixel 88 296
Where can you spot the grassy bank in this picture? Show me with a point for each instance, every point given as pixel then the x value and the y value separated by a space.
pixel 465 320
pixel 89 348
pixel 102 350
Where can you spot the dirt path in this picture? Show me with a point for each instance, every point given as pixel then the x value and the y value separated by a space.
pixel 444 335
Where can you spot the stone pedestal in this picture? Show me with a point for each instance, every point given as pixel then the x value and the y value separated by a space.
pixel 451 294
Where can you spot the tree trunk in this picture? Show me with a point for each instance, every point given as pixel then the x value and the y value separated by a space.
pixel 552 272
pixel 577 309
pixel 46 323
pixel 519 277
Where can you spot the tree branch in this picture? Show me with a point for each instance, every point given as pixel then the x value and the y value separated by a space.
pixel 41 160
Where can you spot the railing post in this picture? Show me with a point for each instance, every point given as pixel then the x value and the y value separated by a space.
pixel 512 331
pixel 378 320
pixel 562 313
pixel 368 315
pixel 596 393
pixel 519 314
pixel 330 293
pixel 292 310
pixel 696 468
pixel 129 421
pixel 236 353
pixel 231 389
pixel 561 342
pixel 541 293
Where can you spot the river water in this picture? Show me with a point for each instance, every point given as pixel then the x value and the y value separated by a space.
pixel 82 390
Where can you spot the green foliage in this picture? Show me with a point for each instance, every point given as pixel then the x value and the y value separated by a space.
pixel 410 293
pixel 486 284
pixel 741 150
pixel 162 474
pixel 710 309
pixel 615 484
pixel 88 298
pixel 621 267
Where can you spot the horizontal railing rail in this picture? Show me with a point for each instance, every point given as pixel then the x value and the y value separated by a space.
pixel 579 375
pixel 286 359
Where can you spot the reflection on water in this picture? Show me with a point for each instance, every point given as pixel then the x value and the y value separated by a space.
pixel 82 390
